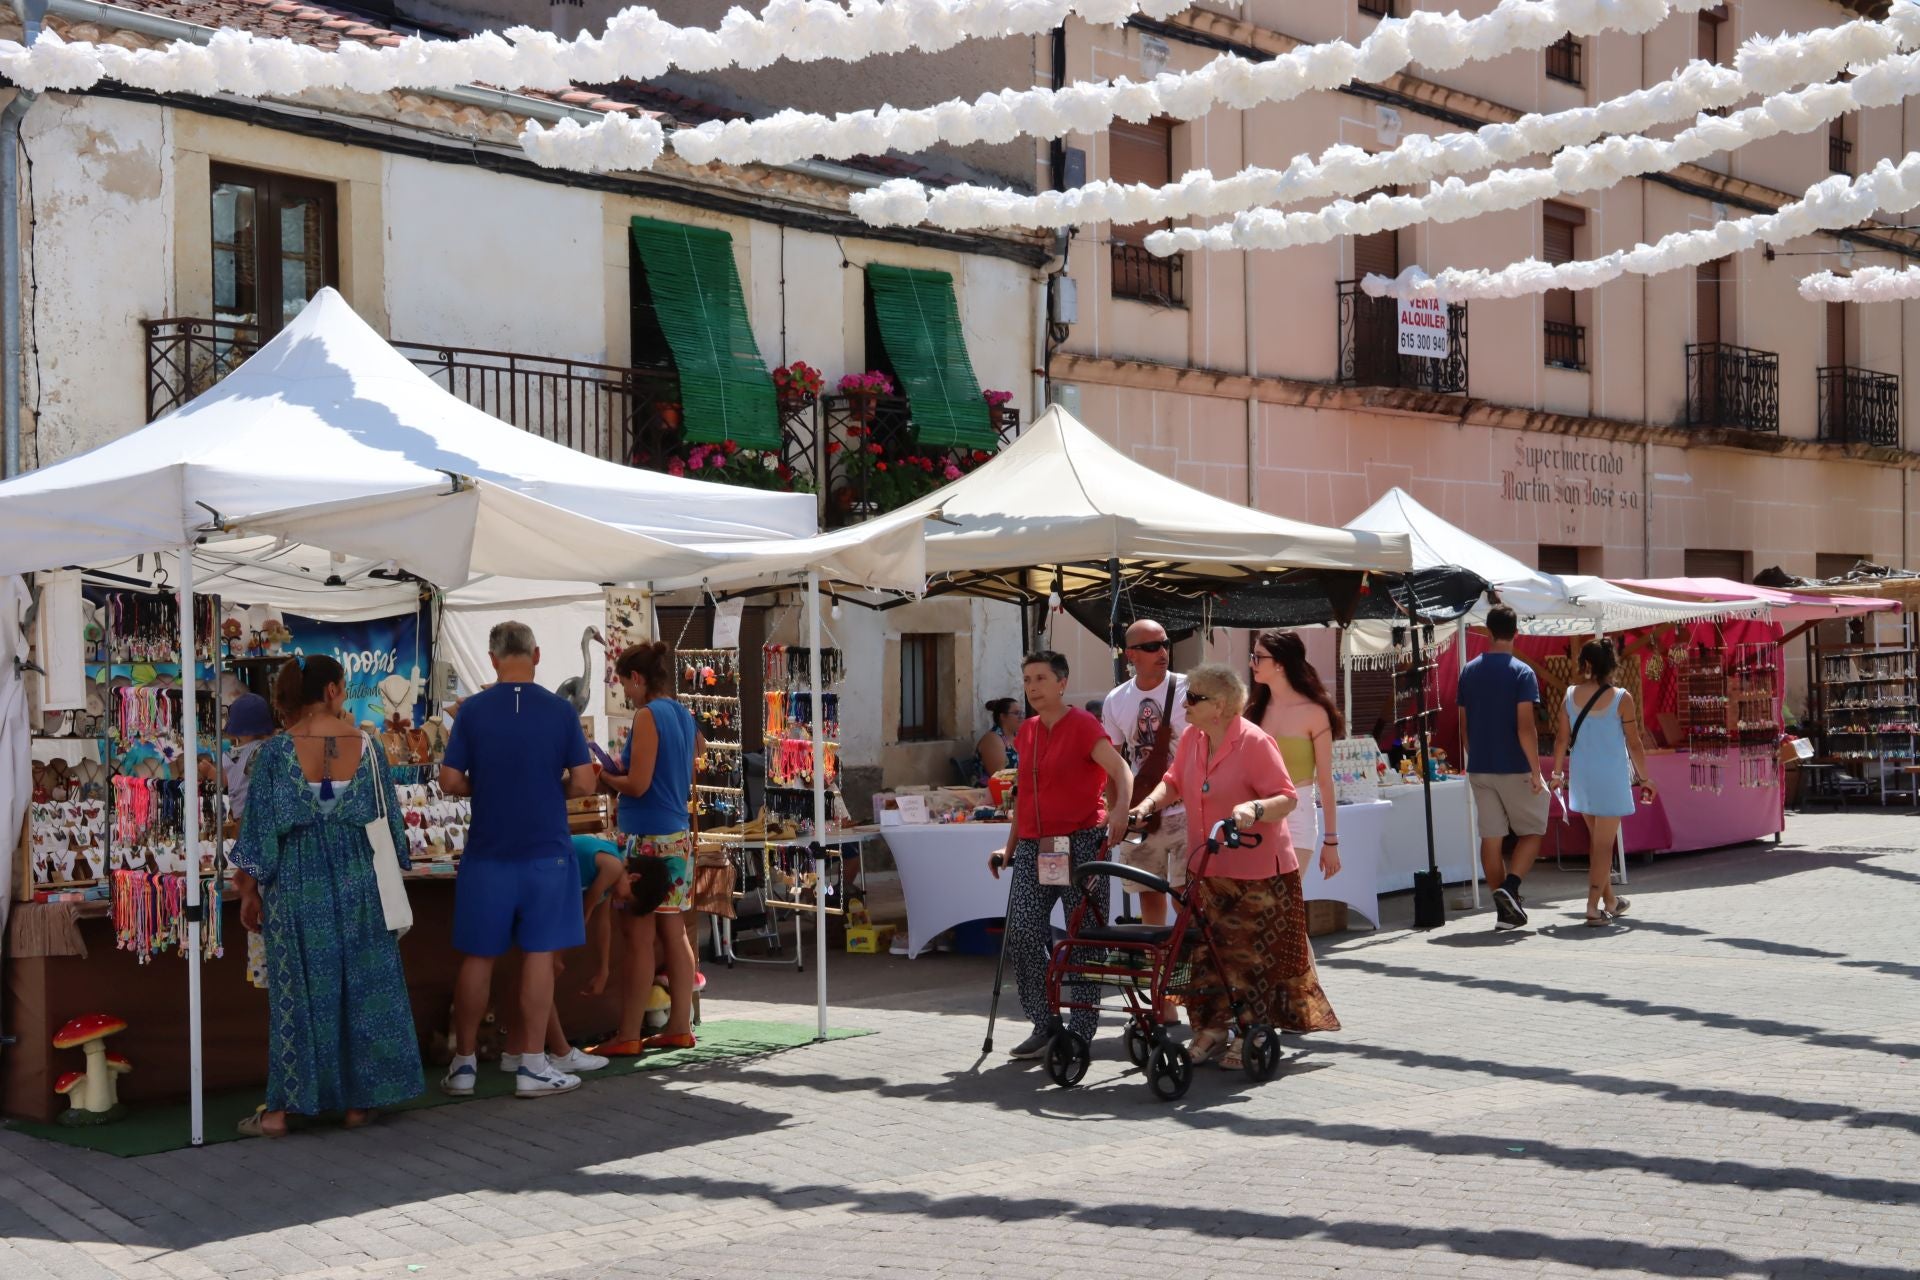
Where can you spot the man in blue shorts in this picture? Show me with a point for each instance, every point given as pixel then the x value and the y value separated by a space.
pixel 518 751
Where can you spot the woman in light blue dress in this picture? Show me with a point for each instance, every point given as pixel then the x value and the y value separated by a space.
pixel 1609 762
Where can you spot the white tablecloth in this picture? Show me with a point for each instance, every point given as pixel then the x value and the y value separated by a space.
pixel 1405 850
pixel 1363 833
pixel 944 875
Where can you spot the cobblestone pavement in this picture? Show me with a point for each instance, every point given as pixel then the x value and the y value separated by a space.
pixel 1725 1087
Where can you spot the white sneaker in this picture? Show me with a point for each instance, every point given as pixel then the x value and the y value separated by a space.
pixel 579 1059
pixel 459 1080
pixel 528 1084
pixel 576 1059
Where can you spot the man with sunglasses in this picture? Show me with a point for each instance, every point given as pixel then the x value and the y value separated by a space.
pixel 1144 718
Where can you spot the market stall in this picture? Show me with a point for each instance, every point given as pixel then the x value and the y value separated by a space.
pixel 378 481
pixel 1060 514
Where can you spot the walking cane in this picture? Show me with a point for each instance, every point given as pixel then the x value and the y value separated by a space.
pixel 1000 965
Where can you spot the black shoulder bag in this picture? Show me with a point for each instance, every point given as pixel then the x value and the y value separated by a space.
pixel 1573 736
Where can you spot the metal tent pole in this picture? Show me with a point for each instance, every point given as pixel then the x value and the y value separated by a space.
pixel 1429 898
pixel 1460 717
pixel 819 797
pixel 190 759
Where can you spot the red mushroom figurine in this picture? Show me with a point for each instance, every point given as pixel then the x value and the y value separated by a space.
pixel 68 1082
pixel 97 1100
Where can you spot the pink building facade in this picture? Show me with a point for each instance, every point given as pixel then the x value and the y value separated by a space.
pixel 1701 421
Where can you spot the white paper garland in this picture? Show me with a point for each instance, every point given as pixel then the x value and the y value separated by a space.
pixel 1573 171
pixel 1436 41
pixel 636 140
pixel 638 44
pixel 1832 204
pixel 1869 284
pixel 1764 64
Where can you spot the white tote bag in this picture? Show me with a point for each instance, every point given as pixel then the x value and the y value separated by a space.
pixel 386 860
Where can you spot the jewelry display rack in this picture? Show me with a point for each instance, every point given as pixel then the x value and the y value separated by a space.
pixel 1704 707
pixel 1753 688
pixel 1866 701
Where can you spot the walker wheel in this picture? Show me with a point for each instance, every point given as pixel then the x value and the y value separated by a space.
pixel 1260 1052
pixel 1068 1058
pixel 1139 1045
pixel 1170 1072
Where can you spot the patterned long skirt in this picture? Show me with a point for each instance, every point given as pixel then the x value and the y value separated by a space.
pixel 1260 930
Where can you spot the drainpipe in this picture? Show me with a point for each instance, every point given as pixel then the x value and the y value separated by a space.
pixel 31 13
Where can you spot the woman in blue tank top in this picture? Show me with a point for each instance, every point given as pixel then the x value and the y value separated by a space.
pixel 658 847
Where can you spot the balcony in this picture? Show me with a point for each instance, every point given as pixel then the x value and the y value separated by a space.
pixel 1370 346
pixel 876 461
pixel 611 412
pixel 1142 277
pixel 1859 406
pixel 1563 60
pixel 1734 388
pixel 1566 345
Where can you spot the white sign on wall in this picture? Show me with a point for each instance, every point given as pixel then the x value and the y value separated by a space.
pixel 1423 328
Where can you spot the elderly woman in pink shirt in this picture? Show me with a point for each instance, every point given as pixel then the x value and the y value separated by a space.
pixel 1230 768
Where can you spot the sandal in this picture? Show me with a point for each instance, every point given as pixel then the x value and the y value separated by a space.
pixel 1231 1059
pixel 669 1042
pixel 1619 907
pixel 254 1127
pixel 620 1048
pixel 1205 1045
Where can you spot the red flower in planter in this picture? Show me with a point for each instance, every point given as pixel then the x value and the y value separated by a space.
pixel 879 466
pixel 731 446
pixel 833 446
pixel 875 449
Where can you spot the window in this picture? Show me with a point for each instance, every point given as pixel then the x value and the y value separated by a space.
pixel 916 320
pixel 1708 26
pixel 1558 560
pixel 273 246
pixel 1377 8
pixel 1563 60
pixel 1731 565
pixel 1143 153
pixel 1839 146
pixel 919 687
pixel 1566 340
pixel 688 287
pixel 1837 335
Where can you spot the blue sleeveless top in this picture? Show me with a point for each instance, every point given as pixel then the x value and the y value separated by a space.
pixel 662 811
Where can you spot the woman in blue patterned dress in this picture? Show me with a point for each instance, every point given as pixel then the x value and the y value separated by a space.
pixel 1608 762
pixel 340 1032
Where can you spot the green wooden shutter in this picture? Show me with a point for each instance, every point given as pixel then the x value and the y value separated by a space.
pixel 919 323
pixel 726 392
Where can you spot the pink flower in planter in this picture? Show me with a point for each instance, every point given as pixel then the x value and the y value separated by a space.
pixel 675 467
pixel 952 472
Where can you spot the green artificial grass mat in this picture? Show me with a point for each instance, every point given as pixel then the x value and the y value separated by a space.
pixel 149 1130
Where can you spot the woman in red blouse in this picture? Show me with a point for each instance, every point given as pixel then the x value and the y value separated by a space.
pixel 1252 896
pixel 1070 808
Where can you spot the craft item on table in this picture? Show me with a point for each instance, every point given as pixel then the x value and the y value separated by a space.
pixel 94 1092
pixel 275 637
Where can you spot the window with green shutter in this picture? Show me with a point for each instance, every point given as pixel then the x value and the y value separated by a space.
pixel 919 325
pixel 726 392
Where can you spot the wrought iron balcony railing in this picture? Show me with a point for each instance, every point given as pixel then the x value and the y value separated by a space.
pixel 876 461
pixel 1839 155
pixel 1139 275
pixel 614 412
pixel 1563 59
pixel 1566 345
pixel 1859 406
pixel 1732 387
pixel 1370 346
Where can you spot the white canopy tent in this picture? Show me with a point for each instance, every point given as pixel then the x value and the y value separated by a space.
pixel 1060 495
pixel 327 462
pixel 1548 604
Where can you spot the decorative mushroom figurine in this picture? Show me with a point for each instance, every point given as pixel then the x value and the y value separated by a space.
pixel 68 1084
pixel 97 1100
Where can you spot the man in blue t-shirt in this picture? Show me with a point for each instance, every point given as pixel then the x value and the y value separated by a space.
pixel 1499 695
pixel 519 752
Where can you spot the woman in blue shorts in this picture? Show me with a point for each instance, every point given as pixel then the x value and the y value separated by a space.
pixel 653 792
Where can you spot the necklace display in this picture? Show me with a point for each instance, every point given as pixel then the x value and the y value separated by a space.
pixel 788 732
